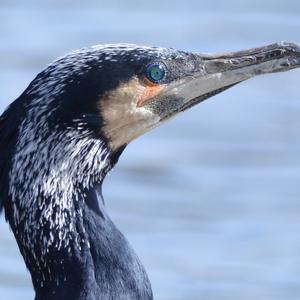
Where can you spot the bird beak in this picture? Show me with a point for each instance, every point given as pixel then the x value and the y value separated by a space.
pixel 215 73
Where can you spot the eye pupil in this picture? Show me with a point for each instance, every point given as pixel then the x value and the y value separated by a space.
pixel 156 72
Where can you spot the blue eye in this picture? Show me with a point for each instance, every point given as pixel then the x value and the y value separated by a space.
pixel 156 72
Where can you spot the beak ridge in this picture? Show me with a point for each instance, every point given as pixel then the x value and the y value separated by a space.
pixel 288 54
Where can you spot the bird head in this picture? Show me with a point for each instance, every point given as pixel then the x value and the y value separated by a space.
pixel 122 91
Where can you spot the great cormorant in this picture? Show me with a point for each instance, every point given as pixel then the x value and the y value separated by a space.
pixel 61 137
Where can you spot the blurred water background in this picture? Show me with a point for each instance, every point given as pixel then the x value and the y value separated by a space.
pixel 210 201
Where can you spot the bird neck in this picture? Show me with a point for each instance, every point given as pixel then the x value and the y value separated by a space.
pixel 69 244
pixel 98 261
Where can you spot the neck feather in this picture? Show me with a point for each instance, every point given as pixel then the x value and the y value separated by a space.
pixel 57 214
pixel 70 245
pixel 49 176
pixel 50 179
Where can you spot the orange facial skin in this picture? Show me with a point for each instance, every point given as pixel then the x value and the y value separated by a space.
pixel 151 90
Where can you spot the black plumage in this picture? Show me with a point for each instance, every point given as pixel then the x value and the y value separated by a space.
pixel 62 136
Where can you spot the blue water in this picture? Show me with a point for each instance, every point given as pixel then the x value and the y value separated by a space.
pixel 210 201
